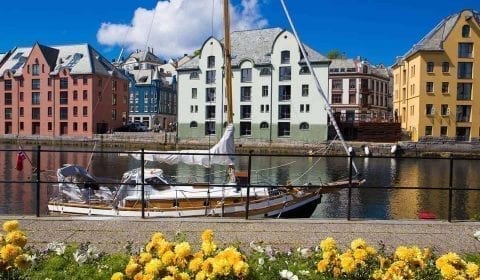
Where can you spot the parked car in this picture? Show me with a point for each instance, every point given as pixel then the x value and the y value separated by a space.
pixel 132 127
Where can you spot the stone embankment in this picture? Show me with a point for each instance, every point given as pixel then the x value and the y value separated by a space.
pixel 167 141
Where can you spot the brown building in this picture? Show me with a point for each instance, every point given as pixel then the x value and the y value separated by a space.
pixel 60 90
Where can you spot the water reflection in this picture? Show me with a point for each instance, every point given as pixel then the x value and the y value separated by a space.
pixel 379 203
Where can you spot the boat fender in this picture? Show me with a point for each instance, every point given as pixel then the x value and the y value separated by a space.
pixel 367 151
pixel 393 150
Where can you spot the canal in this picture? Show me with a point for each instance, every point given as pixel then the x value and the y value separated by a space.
pixel 392 180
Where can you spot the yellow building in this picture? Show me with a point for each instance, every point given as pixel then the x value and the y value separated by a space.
pixel 436 90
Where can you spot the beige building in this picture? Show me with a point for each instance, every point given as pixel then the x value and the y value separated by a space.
pixel 435 86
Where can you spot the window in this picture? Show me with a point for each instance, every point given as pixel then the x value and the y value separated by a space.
pixel 75 126
pixel 443 130
pixel 283 112
pixel 352 84
pixel 445 86
pixel 245 111
pixel 85 126
pixel 428 130
pixel 35 69
pixel 445 111
pixel 210 112
pixel 267 108
pixel 263 125
pixel 21 111
pixel 284 93
pixel 35 98
pixel 285 73
pixel 304 90
pixel 262 108
pixel 64 97
pixel 49 111
pixel 465 50
pixel 464 91
pixel 114 114
pixel 209 128
pixel 304 126
pixel 283 129
pixel 114 85
pixel 336 98
pixel 337 84
pixel 307 108
pixel 100 82
pixel 246 75
pixel 75 111
pixel 194 75
pixel 245 128
pixel 429 88
pixel 304 70
pixel 430 67
pixel 35 83
pixel 75 95
pixel 302 108
pixel 463 113
pixel 466 31
pixel 49 82
pixel 264 91
pixel 193 124
pixel 465 70
pixel 63 83
pixel 352 99
pixel 445 67
pixel 75 80
pixel 285 57
pixel 85 111
pixel 210 77
pixel 21 126
pixel 85 95
pixel 210 95
pixel 8 98
pixel 8 113
pixel 211 61
pixel 85 79
pixel 246 94
pixel 64 113
pixel 7 85
pixel 265 71
pixel 35 113
pixel 194 93
pixel 429 109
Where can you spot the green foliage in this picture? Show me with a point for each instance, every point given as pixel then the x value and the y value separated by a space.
pixel 475 258
pixel 334 54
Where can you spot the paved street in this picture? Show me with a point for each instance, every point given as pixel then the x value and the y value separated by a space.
pixel 112 234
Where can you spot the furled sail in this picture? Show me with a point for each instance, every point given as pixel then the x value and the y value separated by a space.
pixel 221 153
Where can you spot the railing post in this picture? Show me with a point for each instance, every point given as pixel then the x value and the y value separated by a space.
pixel 350 170
pixel 37 181
pixel 450 190
pixel 248 183
pixel 142 158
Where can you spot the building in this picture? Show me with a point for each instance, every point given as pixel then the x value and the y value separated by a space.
pixel 435 83
pixel 274 96
pixel 153 89
pixel 359 91
pixel 61 90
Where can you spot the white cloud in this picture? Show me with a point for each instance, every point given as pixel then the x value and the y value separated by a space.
pixel 179 26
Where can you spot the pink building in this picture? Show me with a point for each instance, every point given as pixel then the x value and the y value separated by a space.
pixel 60 90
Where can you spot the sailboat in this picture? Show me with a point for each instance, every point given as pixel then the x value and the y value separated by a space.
pixel 149 192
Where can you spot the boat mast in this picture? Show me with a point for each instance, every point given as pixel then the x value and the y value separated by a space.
pixel 228 62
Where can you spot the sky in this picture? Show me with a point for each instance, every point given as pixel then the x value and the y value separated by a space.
pixel 376 30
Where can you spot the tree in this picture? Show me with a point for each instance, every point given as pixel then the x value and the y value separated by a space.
pixel 333 54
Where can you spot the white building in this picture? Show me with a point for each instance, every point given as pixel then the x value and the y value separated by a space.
pixel 274 96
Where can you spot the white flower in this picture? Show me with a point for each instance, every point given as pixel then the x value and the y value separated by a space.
pixel 79 257
pixel 286 274
pixel 304 272
pixel 304 252
pixel 256 248
pixel 477 235
pixel 261 261
pixel 92 252
pixel 57 247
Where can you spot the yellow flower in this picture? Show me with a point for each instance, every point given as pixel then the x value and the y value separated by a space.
pixel 328 244
pixel 322 266
pixel 173 270
pixel 207 266
pixel 195 264
pixel 132 269
pixel 240 269
pixel 404 253
pixel 358 244
pixel 201 275
pixel 208 247
pixel 117 276
pixel 207 235
pixel 9 226
pixel 220 266
pixel 22 261
pixel 329 255
pixel 471 270
pixel 16 237
pixel 336 272
pixel 347 263
pixel 169 277
pixel 168 258
pixel 144 258
pixel 182 250
pixel 153 267
pixel 157 237
pixel 9 252
pixel 448 271
pixel 163 246
pixel 377 274
pixel 360 254
pixel 371 250
pixel 183 276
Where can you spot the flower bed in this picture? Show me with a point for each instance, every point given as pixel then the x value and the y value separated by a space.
pixel 177 260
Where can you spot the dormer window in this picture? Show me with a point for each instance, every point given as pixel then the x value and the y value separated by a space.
pixel 194 75
pixel 466 31
pixel 265 71
pixel 285 57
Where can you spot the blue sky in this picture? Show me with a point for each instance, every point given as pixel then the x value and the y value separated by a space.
pixel 374 29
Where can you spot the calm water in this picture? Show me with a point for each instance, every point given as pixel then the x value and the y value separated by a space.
pixel 379 203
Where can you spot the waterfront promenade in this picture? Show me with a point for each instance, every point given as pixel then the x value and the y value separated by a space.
pixel 112 234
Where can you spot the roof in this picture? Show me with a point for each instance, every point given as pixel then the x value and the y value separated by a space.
pixel 343 63
pixel 255 45
pixel 144 56
pixel 350 65
pixel 433 41
pixel 79 59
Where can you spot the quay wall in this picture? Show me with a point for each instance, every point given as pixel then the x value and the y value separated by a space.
pixel 167 141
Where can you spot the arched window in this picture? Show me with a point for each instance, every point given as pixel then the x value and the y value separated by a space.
pixel 193 124
pixel 263 125
pixel 466 31
pixel 304 126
